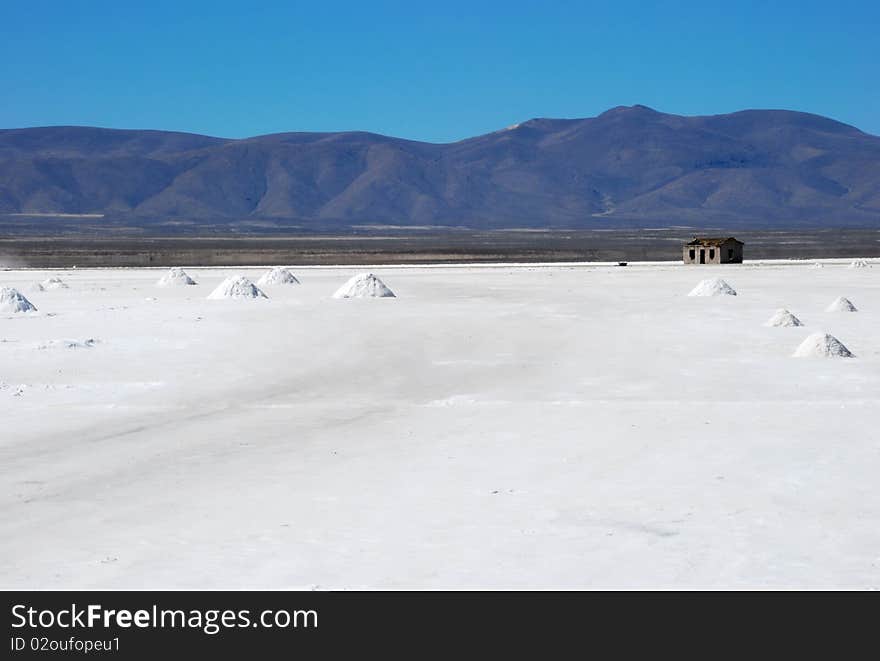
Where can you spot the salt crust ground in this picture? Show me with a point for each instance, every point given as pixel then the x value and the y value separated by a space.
pixel 492 427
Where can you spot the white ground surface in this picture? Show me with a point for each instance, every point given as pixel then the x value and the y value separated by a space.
pixel 490 427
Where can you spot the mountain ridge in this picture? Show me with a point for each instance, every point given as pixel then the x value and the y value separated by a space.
pixel 630 164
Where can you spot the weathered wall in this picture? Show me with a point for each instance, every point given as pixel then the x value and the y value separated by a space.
pixel 713 254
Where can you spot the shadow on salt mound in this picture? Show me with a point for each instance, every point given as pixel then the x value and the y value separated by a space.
pixel 68 344
pixel 12 301
pixel 841 304
pixel 712 287
pixel 364 285
pixel 176 276
pixel 277 276
pixel 236 287
pixel 822 345
pixel 782 318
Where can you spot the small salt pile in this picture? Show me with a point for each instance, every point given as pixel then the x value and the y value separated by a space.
pixel 841 304
pixel 822 345
pixel 176 276
pixel 365 285
pixel 859 264
pixel 713 287
pixel 53 283
pixel 277 276
pixel 236 287
pixel 12 301
pixel 782 318
pixel 68 344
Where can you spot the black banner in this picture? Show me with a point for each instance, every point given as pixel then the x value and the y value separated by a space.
pixel 153 624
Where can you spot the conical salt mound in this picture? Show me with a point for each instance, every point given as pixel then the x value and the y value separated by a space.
pixel 782 318
pixel 818 265
pixel 841 304
pixel 365 285
pixel 277 276
pixel 175 276
pixel 11 301
pixel 237 287
pixel 712 287
pixel 53 283
pixel 859 264
pixel 822 345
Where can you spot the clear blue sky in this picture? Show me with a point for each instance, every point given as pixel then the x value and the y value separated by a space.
pixel 437 71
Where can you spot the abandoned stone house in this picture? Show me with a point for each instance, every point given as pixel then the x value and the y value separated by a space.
pixel 713 251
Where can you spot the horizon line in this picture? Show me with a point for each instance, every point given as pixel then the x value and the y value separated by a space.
pixel 515 125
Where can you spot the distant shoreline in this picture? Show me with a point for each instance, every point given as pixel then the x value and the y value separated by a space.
pixel 423 247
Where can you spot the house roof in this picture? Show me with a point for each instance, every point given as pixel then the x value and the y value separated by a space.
pixel 710 241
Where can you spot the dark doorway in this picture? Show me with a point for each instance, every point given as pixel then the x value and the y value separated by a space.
pixel 702 255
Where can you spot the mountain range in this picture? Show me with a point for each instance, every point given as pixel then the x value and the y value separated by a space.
pixel 629 166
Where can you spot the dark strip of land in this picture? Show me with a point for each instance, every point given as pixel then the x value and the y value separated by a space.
pixel 423 247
